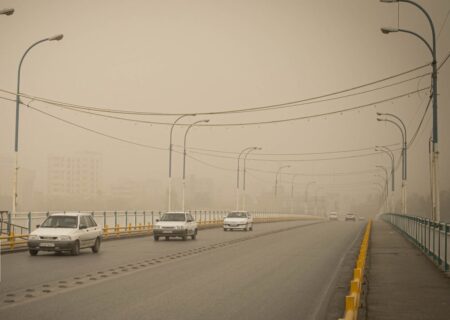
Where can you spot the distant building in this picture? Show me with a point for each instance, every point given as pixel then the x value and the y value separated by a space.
pixel 74 176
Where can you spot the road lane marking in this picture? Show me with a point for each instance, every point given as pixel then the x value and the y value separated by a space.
pixel 51 288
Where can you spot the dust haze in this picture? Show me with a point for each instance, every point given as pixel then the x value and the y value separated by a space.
pixel 205 57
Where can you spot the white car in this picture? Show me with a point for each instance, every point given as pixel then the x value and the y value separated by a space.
pixel 333 216
pixel 66 232
pixel 175 224
pixel 236 220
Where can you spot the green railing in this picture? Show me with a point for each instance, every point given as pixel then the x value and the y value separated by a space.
pixel 430 236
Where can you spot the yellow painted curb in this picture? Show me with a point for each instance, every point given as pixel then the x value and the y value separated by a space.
pixel 352 300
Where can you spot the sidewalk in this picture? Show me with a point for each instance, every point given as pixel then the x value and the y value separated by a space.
pixel 402 282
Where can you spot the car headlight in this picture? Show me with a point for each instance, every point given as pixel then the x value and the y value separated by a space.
pixel 65 238
pixel 33 237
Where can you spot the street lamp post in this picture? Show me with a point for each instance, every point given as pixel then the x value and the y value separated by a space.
pixel 276 177
pixel 16 144
pixel 315 199
pixel 391 156
pixel 385 191
pixel 292 192
pixel 7 11
pixel 386 180
pixel 237 173
pixel 435 151
pixel 245 170
pixel 184 157
pixel 170 157
pixel 382 194
pixel 306 195
pixel 403 131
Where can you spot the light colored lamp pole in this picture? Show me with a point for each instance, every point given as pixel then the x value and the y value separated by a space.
pixel 382 195
pixel 315 199
pixel 403 131
pixel 391 156
pixel 237 173
pixel 292 192
pixel 16 144
pixel 170 157
pixel 7 11
pixel 276 177
pixel 184 157
pixel 436 214
pixel 244 174
pixel 306 195
pixel 385 189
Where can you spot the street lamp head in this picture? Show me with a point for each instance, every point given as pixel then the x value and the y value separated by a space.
pixel 57 37
pixel 207 120
pixel 378 119
pixel 8 11
pixel 388 30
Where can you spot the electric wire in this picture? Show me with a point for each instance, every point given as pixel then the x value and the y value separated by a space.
pixel 238 110
pixel 299 118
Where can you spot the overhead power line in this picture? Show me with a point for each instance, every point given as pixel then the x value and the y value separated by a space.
pixel 292 119
pixel 232 111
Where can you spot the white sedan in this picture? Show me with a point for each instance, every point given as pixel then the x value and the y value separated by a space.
pixel 238 220
pixel 66 232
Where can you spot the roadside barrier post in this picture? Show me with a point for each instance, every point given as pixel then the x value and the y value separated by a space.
pixel 446 247
pixel 439 244
pixel 8 225
pixel 12 240
pixel 29 222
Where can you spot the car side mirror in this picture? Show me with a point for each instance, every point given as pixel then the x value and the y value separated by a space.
pixel 38 225
pixel 189 220
pixel 157 220
pixel 83 226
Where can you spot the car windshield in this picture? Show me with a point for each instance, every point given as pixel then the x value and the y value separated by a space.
pixel 60 222
pixel 173 217
pixel 237 215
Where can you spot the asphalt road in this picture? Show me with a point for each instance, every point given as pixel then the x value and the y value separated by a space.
pixel 289 270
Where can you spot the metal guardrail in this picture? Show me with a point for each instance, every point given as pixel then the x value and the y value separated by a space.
pixel 6 226
pixel 430 236
pixel 117 224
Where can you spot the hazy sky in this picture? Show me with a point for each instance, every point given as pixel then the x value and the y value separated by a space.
pixel 208 56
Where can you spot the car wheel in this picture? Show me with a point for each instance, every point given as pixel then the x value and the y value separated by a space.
pixel 96 247
pixel 76 249
pixel 156 238
pixel 194 236
pixel 246 228
pixel 167 238
pixel 251 228
pixel 33 252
